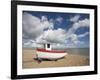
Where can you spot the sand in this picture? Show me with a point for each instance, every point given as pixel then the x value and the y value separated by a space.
pixel 28 60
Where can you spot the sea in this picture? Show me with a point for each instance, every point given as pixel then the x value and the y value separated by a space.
pixel 79 51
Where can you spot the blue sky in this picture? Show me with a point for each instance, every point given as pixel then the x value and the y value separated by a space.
pixel 74 24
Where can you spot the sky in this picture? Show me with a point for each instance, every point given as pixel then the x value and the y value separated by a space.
pixel 63 30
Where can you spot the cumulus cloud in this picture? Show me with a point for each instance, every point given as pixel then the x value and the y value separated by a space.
pixel 59 19
pixel 83 35
pixel 44 18
pixel 79 24
pixel 74 38
pixel 55 36
pixel 32 44
pixel 75 26
pixel 41 30
pixel 33 26
pixel 59 46
pixel 75 18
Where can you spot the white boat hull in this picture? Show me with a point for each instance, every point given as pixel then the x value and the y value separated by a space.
pixel 51 56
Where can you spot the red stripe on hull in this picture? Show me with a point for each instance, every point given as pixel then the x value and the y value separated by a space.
pixel 51 51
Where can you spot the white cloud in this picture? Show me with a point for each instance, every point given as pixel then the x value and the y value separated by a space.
pixel 74 39
pixel 59 19
pixel 75 18
pixel 32 44
pixel 33 26
pixel 79 24
pixel 83 35
pixel 44 18
pixel 76 25
pixel 84 23
pixel 54 36
pixel 33 30
pixel 59 46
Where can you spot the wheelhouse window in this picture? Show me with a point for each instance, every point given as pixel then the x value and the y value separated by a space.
pixel 48 45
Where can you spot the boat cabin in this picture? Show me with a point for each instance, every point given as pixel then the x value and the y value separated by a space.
pixel 47 46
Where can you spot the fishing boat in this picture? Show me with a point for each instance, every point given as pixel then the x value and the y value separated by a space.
pixel 48 53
